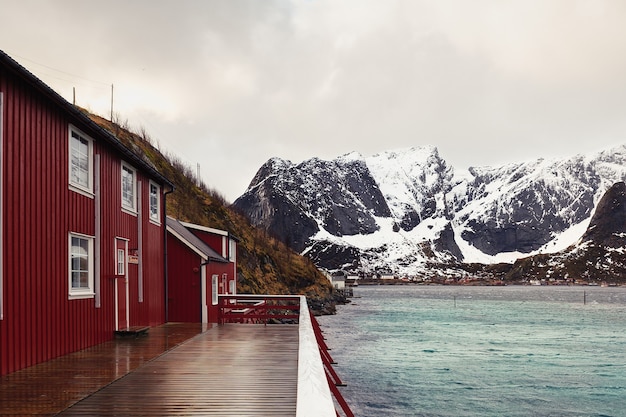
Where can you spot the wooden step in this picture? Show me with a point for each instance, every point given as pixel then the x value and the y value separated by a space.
pixel 133 331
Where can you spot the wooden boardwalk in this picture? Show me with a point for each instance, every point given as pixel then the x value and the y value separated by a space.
pixel 231 370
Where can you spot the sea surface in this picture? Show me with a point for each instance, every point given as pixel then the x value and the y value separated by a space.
pixel 481 351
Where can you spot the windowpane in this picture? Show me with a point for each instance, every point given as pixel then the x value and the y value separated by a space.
pixel 80 263
pixel 84 280
pixel 75 279
pixel 79 160
pixel 214 294
pixel 120 261
pixel 84 264
pixel 128 187
pixel 154 202
pixel 75 263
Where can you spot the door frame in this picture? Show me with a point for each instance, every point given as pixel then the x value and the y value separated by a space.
pixel 121 273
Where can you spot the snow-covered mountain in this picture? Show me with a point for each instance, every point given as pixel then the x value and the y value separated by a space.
pixel 401 210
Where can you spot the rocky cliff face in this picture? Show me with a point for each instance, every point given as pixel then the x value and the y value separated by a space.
pixel 294 202
pixel 402 210
pixel 608 225
pixel 599 255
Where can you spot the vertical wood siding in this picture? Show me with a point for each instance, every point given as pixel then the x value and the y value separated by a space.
pixel 184 295
pixel 213 240
pixel 184 288
pixel 39 212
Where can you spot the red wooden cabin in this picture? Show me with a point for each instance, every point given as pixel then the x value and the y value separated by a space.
pixel 197 273
pixel 82 228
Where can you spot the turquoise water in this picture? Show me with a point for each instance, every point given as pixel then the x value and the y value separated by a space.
pixel 482 351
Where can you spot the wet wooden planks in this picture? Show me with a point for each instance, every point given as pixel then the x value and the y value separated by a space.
pixel 231 370
pixel 50 387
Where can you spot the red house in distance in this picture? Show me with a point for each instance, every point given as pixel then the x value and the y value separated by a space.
pixel 82 228
pixel 201 266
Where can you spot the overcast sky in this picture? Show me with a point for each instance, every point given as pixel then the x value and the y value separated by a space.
pixel 229 84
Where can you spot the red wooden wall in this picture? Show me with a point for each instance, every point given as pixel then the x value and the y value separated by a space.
pixel 183 282
pixel 39 211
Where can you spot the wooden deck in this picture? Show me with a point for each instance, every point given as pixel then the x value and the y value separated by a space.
pixel 230 370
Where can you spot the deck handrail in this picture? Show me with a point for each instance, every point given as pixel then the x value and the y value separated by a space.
pixel 333 378
pixel 317 380
pixel 248 308
pixel 314 398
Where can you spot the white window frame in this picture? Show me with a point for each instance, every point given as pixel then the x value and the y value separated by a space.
pixel 154 210
pixel 73 185
pixel 132 207
pixel 214 289
pixel 121 262
pixel 232 249
pixel 85 292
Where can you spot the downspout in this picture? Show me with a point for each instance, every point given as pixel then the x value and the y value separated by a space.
pixel 98 231
pixel 204 301
pixel 140 239
pixel 165 257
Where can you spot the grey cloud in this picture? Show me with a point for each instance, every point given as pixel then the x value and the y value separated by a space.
pixel 230 84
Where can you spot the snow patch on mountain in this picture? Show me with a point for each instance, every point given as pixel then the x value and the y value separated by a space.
pixel 413 181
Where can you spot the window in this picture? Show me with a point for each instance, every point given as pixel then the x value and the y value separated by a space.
pixel 232 249
pixel 81 266
pixel 214 293
pixel 155 202
pixel 120 262
pixel 81 161
pixel 129 188
pixel 224 284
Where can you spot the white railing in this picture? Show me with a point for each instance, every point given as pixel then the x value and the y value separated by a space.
pixel 314 396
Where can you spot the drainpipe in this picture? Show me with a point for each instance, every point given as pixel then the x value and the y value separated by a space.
pixel 204 301
pixel 165 264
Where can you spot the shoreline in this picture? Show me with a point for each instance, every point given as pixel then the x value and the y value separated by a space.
pixel 479 283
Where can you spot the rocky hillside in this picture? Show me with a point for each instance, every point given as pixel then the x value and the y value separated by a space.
pixel 403 211
pixel 265 264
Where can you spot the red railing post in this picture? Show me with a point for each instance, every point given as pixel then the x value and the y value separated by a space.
pixel 336 380
pixel 317 330
pixel 332 377
pixel 340 400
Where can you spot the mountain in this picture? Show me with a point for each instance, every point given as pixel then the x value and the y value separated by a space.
pixel 598 256
pixel 403 211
